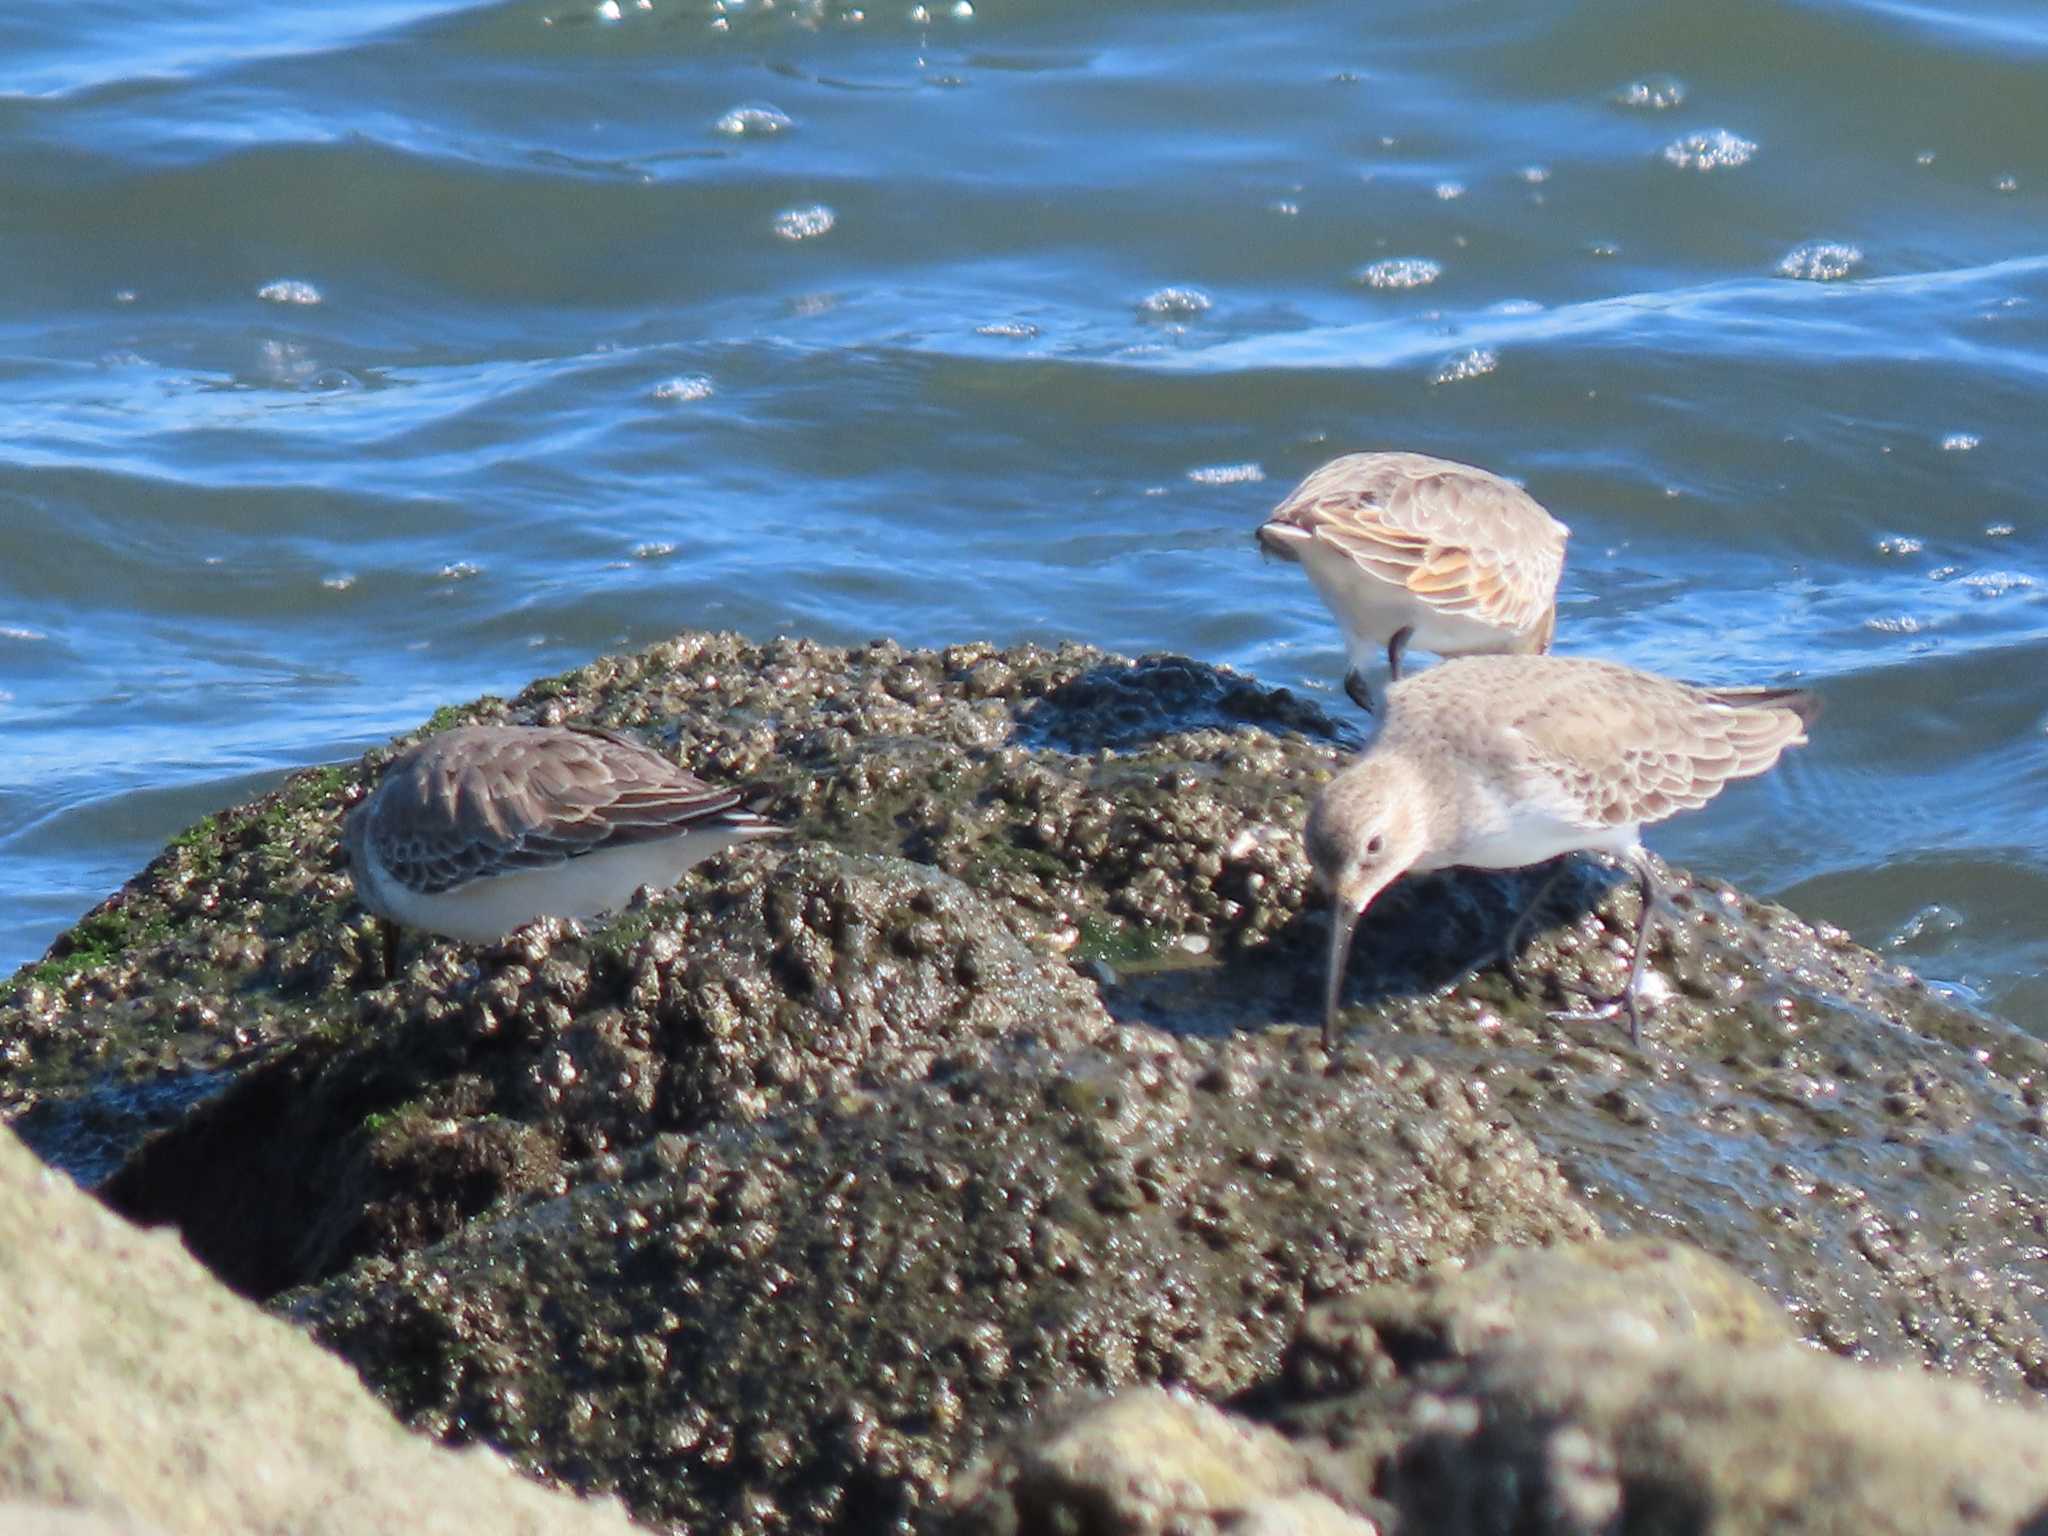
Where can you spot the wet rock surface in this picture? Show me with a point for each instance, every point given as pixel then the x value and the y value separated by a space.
pixel 1597 1387
pixel 775 981
pixel 805 1321
pixel 1022 884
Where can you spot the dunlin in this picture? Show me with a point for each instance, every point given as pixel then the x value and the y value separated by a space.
pixel 480 829
pixel 1501 761
pixel 1410 550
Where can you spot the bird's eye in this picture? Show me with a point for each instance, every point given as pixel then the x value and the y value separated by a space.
pixel 1378 843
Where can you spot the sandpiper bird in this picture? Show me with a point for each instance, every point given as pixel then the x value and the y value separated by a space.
pixel 482 828
pixel 1501 761
pixel 1410 550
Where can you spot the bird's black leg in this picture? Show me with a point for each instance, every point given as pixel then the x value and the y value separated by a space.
pixel 390 931
pixel 1526 918
pixel 1397 647
pixel 1354 684
pixel 1625 999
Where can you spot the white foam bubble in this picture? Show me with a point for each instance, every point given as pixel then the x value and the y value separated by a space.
pixel 805 223
pixel 1399 272
pixel 1008 330
pixel 756 120
pixel 1712 149
pixel 686 387
pixel 459 570
pixel 1997 583
pixel 1474 364
pixel 1821 261
pixel 1653 93
pixel 1177 303
pixel 1228 474
pixel 1448 191
pixel 1960 442
pixel 288 290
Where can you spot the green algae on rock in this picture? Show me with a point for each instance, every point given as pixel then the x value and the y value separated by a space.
pixel 1029 890
pixel 242 934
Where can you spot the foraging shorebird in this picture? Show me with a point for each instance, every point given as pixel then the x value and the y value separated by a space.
pixel 1409 550
pixel 480 829
pixel 1502 761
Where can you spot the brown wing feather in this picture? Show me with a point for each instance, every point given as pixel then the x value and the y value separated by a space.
pixel 1459 538
pixel 487 799
pixel 1622 746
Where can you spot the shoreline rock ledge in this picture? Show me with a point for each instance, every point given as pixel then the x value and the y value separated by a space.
pixel 971 1160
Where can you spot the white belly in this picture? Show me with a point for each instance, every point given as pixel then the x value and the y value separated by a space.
pixel 1370 611
pixel 1530 843
pixel 1500 834
pixel 488 908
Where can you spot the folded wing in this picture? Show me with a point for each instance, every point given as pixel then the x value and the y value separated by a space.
pixel 1639 747
pixel 1462 540
pixel 484 801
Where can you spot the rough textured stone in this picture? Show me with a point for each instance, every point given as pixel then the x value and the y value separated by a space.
pixel 1574 1432
pixel 25 1519
pixel 1662 1404
pixel 1151 1461
pixel 1048 857
pixel 1644 1284
pixel 1662 1399
pixel 808 1320
pixel 137 1393
pixel 777 981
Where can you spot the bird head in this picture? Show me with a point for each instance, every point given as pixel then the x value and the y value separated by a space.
pixel 1366 829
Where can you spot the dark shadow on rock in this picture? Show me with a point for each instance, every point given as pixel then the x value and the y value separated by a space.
pixel 1424 936
pixel 1121 706
pixel 89 1135
pixel 332 1149
pixel 776 979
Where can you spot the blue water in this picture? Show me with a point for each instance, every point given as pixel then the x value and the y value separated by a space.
pixel 357 358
